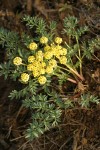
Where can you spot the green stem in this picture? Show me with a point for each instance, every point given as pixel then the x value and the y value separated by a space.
pixel 73 71
pixel 79 57
pixel 69 79
pixel 23 64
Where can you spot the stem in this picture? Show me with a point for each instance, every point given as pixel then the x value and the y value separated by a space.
pixel 69 79
pixel 73 71
pixel 23 64
pixel 79 53
pixel 67 45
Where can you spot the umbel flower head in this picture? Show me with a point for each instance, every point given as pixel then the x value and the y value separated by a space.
pixel 33 46
pixel 31 59
pixel 43 40
pixel 53 63
pixel 17 61
pixel 42 80
pixel 63 60
pixel 30 67
pixel 24 77
pixel 58 40
pixel 44 61
pixel 49 69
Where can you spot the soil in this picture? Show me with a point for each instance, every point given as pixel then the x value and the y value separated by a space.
pixel 80 127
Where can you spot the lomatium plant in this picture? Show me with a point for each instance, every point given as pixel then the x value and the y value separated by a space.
pixel 42 62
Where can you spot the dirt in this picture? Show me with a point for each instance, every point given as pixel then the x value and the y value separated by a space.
pixel 80 127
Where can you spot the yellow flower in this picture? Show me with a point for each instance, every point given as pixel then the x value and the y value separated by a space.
pixel 57 53
pixel 59 47
pixel 42 71
pixel 33 46
pixel 54 50
pixel 49 69
pixel 40 53
pixel 17 61
pixel 31 59
pixel 57 50
pixel 58 40
pixel 42 80
pixel 43 40
pixel 36 64
pixel 53 63
pixel 63 51
pixel 30 67
pixel 36 73
pixel 39 56
pixel 48 55
pixel 43 64
pixel 24 77
pixel 63 60
pixel 47 48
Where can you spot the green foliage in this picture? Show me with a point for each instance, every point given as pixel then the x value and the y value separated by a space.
pixel 31 89
pixel 46 101
pixel 4 69
pixel 46 114
pixel 40 26
pixel 86 99
pixel 88 48
pixel 9 39
pixel 71 27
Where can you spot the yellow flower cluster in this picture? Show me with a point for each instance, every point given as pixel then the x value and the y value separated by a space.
pixel 44 60
pixel 58 40
pixel 33 46
pixel 24 77
pixel 39 56
pixel 48 55
pixel 43 40
pixel 55 51
pixel 42 79
pixel 31 59
pixel 17 61
pixel 47 48
pixel 53 63
pixel 30 67
pixel 63 60
pixel 49 69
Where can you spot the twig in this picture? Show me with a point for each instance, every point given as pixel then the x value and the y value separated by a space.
pixel 17 138
pixel 29 6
